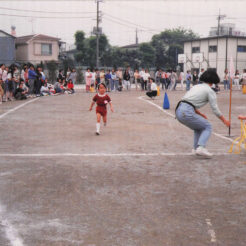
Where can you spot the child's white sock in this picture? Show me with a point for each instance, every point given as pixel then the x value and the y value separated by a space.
pixel 98 127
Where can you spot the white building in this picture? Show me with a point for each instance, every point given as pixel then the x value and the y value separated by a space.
pixel 215 52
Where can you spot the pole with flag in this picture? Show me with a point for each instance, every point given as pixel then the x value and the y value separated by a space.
pixel 232 73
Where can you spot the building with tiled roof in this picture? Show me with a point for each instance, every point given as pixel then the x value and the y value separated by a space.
pixel 37 48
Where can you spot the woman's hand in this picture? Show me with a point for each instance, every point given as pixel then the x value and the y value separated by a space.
pixel 226 122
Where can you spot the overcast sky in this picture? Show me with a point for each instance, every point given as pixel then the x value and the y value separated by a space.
pixel 119 18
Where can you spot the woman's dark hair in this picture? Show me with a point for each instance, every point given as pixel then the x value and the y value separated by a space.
pixel 210 77
pixel 101 84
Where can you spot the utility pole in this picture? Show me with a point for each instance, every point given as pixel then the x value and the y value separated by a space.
pixel 220 17
pixel 97 32
pixel 136 36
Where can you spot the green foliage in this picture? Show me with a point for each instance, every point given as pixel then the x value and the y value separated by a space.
pixel 52 67
pixel 168 44
pixel 67 63
pixel 147 55
pixel 80 76
pixel 80 45
pixel 162 51
pixel 79 39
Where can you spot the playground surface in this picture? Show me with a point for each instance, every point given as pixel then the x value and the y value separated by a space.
pixel 137 184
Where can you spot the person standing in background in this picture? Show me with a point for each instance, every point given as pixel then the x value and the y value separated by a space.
pixel 188 80
pixel 181 78
pixel 199 75
pixel 88 80
pixel 237 79
pixel 226 80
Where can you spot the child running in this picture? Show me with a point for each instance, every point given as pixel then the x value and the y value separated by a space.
pixel 102 99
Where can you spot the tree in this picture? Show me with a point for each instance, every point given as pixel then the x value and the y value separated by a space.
pixel 147 55
pixel 80 46
pixel 80 76
pixel 168 44
pixel 52 67
pixel 67 63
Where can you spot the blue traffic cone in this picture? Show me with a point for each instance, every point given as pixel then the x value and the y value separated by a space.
pixel 166 104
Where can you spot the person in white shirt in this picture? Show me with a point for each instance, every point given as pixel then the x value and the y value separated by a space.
pixel 153 88
pixel 181 78
pixel 188 114
pixel 2 67
pixel 88 76
pixel 199 75
pixel 244 80
pixel 141 74
pixel 236 79
pixel 146 77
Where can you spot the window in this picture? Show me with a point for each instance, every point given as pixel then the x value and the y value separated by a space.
pixel 212 48
pixel 46 49
pixel 195 49
pixel 241 48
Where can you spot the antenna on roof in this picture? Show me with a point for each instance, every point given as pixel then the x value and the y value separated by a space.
pixel 32 21
pixel 219 17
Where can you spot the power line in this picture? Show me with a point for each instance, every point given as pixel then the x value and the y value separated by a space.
pixel 131 23
pixel 126 25
pixel 49 17
pixel 170 14
pixel 48 12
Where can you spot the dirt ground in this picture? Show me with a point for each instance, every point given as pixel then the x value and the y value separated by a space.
pixel 136 184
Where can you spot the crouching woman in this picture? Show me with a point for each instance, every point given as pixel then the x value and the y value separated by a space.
pixel 188 114
pixel 153 88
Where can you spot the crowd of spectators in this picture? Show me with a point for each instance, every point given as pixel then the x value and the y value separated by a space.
pixel 118 80
pixel 30 81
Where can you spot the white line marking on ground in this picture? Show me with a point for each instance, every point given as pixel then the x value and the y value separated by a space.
pixel 101 154
pixel 211 231
pixel 18 107
pixel 157 106
pixel 173 116
pixel 11 232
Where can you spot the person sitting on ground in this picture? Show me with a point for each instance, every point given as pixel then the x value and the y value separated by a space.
pixel 153 88
pixel 45 91
pixel 25 87
pixel 19 93
pixel 57 86
pixel 70 86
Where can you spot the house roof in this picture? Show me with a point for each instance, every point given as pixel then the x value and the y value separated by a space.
pixel 26 39
pixel 7 34
pixel 214 37
pixel 131 46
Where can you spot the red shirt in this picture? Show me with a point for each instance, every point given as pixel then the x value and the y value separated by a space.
pixel 101 100
pixel 70 85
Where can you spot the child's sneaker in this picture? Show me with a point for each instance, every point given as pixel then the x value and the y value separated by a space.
pixel 97 133
pixel 201 151
pixel 105 124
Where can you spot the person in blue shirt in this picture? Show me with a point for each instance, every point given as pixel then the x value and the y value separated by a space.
pixel 108 80
pixel 32 75
pixel 188 80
